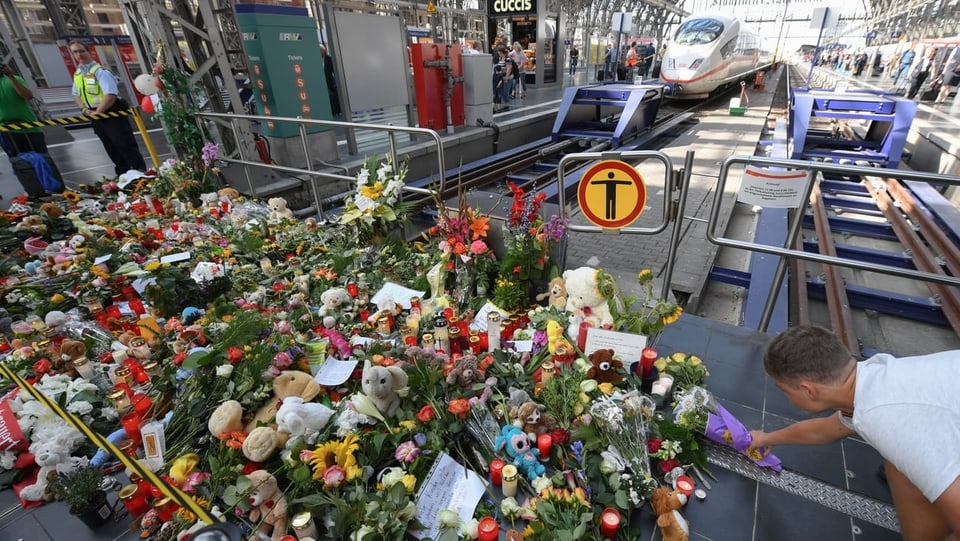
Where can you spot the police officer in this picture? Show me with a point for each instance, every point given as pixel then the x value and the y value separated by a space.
pixel 95 91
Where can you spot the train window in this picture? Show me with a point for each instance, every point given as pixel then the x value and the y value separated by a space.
pixel 698 31
pixel 728 48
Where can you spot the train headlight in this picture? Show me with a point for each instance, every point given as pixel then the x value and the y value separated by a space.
pixel 696 63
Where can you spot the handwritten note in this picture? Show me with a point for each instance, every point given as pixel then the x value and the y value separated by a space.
pixel 448 485
pixel 400 294
pixel 479 322
pixel 627 346
pixel 333 372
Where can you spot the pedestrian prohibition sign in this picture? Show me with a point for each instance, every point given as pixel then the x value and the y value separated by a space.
pixel 612 194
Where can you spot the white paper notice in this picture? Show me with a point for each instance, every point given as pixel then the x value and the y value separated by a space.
pixel 333 372
pixel 141 284
pixel 399 293
pixel 448 485
pixel 173 258
pixel 479 322
pixel 102 259
pixel 775 189
pixel 627 346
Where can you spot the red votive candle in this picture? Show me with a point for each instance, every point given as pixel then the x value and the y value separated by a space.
pixel 496 471
pixel 684 484
pixel 141 404
pixel 647 357
pixel 488 529
pixel 544 444
pixel 131 425
pixel 165 508
pixel 134 500
pixel 609 523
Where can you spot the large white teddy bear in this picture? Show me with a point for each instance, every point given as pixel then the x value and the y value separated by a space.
pixel 584 300
pixel 52 444
pixel 299 418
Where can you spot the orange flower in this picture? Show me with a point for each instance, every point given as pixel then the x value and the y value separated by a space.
pixel 459 248
pixel 233 440
pixel 479 226
pixel 459 407
pixel 325 272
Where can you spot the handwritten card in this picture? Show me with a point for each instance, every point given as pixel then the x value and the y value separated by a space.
pixel 627 346
pixel 400 294
pixel 479 322
pixel 448 485
pixel 332 372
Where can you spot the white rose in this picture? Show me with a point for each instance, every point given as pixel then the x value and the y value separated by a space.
pixel 450 518
pixel 224 370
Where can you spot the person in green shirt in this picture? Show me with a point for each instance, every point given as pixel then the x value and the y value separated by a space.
pixel 15 99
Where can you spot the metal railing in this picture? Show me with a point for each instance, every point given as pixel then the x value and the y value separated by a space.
pixel 816 169
pixel 303 123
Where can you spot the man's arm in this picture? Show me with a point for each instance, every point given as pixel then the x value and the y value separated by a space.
pixel 949 504
pixel 22 90
pixel 816 431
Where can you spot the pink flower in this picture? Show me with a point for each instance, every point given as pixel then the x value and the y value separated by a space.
pixel 282 327
pixel 334 476
pixel 282 360
pixel 407 452
pixel 306 455
pixel 194 479
pixel 478 247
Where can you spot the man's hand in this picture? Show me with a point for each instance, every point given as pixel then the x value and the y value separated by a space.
pixel 6 70
pixel 758 443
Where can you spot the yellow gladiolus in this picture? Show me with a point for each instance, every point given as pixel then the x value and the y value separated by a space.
pixel 183 466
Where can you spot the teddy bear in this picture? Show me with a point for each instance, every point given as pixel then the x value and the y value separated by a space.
pixel 229 194
pixel 529 417
pixel 278 209
pixel 32 224
pixel 227 418
pixel 383 385
pixel 334 301
pixel 556 293
pixel 52 443
pixel 666 504
pixel 584 298
pixel 464 372
pixel 268 506
pixel 297 417
pixel 302 283
pixel 605 367
pixel 70 350
pixel 288 383
pixel 525 456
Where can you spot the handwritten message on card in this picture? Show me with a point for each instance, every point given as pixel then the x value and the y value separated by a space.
pixel 448 485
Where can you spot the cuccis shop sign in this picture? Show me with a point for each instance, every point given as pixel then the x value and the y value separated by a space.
pixel 512 7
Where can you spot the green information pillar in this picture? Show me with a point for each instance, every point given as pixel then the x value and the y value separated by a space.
pixel 283 52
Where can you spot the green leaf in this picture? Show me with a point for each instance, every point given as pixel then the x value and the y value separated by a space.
pixel 621 498
pixel 195 360
pixel 301 474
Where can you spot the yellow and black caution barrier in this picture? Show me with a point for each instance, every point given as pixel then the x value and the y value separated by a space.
pixel 66 121
pixel 102 442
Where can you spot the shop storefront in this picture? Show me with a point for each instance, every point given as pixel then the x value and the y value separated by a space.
pixel 533 25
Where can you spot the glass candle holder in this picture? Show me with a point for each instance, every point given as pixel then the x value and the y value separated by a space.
pixel 493 331
pixel 141 404
pixel 129 448
pixel 304 526
pixel 427 342
pixel 544 445
pixel 609 523
pixel 165 508
pixel 123 375
pixel 134 500
pixel 121 402
pixel 509 481
pixel 488 529
pixel 83 367
pixel 131 425
pixel 139 348
pixel 496 471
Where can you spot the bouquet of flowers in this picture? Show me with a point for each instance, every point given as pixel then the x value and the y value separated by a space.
pixel 464 247
pixel 652 315
pixel 622 419
pixel 529 240
pixel 376 205
pixel 687 370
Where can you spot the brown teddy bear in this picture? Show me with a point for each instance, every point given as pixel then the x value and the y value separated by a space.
pixel 288 383
pixel 268 506
pixel 530 418
pixel 464 372
pixel 666 504
pixel 605 368
pixel 70 350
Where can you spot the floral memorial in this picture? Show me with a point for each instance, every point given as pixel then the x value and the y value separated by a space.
pixel 339 381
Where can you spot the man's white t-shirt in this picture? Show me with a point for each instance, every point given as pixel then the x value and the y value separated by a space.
pixel 908 409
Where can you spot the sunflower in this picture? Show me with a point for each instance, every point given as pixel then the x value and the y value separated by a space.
pixel 71 196
pixel 337 453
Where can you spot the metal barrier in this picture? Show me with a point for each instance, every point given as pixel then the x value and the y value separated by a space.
pixel 670 211
pixel 303 123
pixel 816 168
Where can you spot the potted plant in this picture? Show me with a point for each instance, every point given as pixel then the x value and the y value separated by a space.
pixel 82 491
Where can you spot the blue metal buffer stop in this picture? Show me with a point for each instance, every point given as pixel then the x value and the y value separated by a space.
pixel 615 112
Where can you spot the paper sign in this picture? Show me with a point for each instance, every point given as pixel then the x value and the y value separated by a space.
pixel 173 258
pixel 448 485
pixel 102 259
pixel 333 372
pixel 521 346
pixel 774 189
pixel 140 284
pixel 627 346
pixel 400 294
pixel 479 322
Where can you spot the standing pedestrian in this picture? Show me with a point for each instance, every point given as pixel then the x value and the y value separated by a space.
pixel 95 91
pixel 520 60
pixel 15 107
pixel 331 82
pixel 921 72
pixel 951 76
pixel 607 62
pixel 574 58
pixel 903 66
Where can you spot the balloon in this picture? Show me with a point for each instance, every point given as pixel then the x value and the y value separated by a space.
pixel 146 84
pixel 147 105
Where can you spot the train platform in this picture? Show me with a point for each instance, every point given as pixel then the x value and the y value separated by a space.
pixel 830 493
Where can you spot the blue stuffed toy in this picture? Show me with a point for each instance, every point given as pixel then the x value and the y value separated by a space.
pixel 525 457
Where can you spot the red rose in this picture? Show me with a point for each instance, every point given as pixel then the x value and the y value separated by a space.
pixel 426 414
pixel 560 436
pixel 42 366
pixel 234 354
pixel 251 467
pixel 666 466
pixel 179 358
pixel 459 407
pixel 653 445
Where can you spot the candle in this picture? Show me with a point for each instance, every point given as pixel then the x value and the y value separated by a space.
pixel 141 404
pixel 663 385
pixel 684 484
pixel 83 367
pixel 165 508
pixel 427 342
pixel 493 331
pixel 304 526
pixel 134 500
pixel 129 448
pixel 509 480
pixel 131 425
pixel 647 357
pixel 582 335
pixel 488 529
pixel 609 523
pixel 120 400
pixel 547 370
pixel 496 471
pixel 544 444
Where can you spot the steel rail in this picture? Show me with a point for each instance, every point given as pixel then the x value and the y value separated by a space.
pixel 838 305
pixel 935 237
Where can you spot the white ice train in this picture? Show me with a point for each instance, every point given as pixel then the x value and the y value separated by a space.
pixel 710 51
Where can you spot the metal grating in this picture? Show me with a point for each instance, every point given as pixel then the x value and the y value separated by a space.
pixel 849 503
